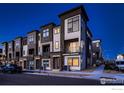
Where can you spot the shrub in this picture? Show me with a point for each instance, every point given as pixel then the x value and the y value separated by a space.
pixel 110 66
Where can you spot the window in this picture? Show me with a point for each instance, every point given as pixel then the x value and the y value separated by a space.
pixel 57 44
pixel 57 31
pixel 30 38
pixel 46 33
pixel 70 61
pixel 73 24
pixel 24 52
pixel 46 63
pixel 38 37
pixel 97 44
pixel 74 47
pixel 17 44
pixel 73 61
pixel 39 50
pixel 10 45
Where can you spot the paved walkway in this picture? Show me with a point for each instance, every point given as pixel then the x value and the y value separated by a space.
pixel 98 70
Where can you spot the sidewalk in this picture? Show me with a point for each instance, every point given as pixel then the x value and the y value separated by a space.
pixel 96 74
pixel 60 73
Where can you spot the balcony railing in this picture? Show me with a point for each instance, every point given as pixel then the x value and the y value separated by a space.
pixel 46 54
pixel 67 50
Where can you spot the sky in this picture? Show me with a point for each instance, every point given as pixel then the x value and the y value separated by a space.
pixel 106 22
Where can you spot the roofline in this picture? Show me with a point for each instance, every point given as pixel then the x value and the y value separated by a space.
pixel 94 41
pixel 18 37
pixel 3 42
pixel 11 41
pixel 48 24
pixel 32 31
pixel 25 37
pixel 57 26
pixel 73 9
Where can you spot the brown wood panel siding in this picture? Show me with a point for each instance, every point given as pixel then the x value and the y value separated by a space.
pixel 50 37
pixel 33 45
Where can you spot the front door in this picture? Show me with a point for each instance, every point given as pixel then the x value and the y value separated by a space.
pixel 56 63
pixel 38 64
pixel 24 64
pixel 46 64
pixel 31 65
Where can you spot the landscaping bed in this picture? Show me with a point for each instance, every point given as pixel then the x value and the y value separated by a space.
pixel 112 71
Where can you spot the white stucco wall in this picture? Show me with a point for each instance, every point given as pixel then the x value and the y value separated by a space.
pixel 73 34
pixel 25 48
pixel 56 38
pixel 39 45
pixel 3 50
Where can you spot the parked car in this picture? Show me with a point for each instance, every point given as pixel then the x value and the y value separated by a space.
pixel 120 64
pixel 1 68
pixel 11 68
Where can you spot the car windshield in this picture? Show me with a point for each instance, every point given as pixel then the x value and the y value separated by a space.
pixel 120 62
pixel 8 65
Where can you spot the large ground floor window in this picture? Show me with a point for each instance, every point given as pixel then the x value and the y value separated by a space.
pixel 73 61
pixel 46 63
pixel 31 65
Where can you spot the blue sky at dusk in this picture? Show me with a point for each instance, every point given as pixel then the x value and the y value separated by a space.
pixel 106 22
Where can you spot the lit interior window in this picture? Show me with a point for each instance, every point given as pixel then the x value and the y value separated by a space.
pixel 73 61
pixel 57 31
pixel 56 44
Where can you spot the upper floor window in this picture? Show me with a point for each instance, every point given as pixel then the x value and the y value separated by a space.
pixel 46 33
pixel 74 47
pixel 17 44
pixel 97 44
pixel 39 50
pixel 56 45
pixel 30 38
pixel 73 24
pixel 57 31
pixel 23 52
pixel 39 37
pixel 10 45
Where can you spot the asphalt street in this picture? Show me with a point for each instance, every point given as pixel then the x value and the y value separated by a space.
pixel 26 79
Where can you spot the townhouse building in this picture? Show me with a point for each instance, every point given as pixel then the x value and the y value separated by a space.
pixel 67 46
pixel 23 59
pixel 4 52
pixel 17 50
pixel 10 53
pixel 47 45
pixel 1 57
pixel 32 52
pixel 97 51
pixel 56 55
pixel 75 38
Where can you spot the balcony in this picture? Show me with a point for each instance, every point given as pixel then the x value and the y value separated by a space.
pixel 46 54
pixel 67 50
pixel 46 50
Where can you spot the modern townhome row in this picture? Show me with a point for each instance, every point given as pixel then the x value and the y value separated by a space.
pixel 67 46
